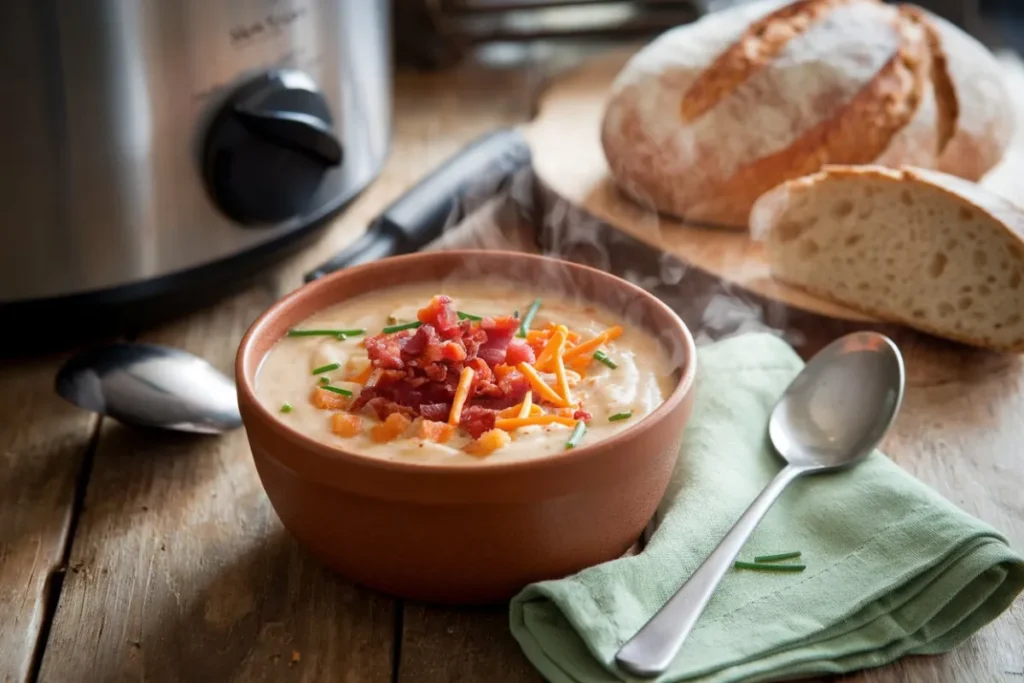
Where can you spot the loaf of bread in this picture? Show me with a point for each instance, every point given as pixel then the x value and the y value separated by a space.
pixel 923 248
pixel 710 115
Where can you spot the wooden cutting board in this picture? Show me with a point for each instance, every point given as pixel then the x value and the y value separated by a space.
pixel 570 165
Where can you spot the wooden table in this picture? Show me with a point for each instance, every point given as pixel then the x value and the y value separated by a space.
pixel 132 555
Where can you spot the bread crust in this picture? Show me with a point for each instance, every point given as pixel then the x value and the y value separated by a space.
pixel 766 214
pixel 703 121
pixel 985 119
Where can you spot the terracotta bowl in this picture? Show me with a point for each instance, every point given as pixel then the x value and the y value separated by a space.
pixel 471 533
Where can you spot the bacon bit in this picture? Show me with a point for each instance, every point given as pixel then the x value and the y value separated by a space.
pixel 582 415
pixel 328 400
pixel 390 429
pixel 527 405
pixel 441 315
pixel 511 423
pixel 346 424
pixel 488 442
pixel 477 420
pixel 439 432
pixel 461 394
pixel 592 345
pixel 519 351
pixel 543 390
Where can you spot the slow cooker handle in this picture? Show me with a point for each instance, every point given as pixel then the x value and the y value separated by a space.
pixel 421 215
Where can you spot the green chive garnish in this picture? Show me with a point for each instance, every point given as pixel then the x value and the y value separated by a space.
pixel 404 326
pixel 577 435
pixel 771 567
pixel 325 333
pixel 524 327
pixel 286 408
pixel 337 390
pixel 467 316
pixel 621 416
pixel 602 357
pixel 325 380
pixel 776 558
pixel 326 368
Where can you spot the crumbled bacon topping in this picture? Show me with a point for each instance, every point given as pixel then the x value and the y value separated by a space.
pixel 416 372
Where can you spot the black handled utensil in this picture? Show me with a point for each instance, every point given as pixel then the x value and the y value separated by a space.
pixel 420 215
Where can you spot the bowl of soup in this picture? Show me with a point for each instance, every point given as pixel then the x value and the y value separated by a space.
pixel 451 426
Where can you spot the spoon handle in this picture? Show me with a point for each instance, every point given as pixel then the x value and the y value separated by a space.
pixel 649 653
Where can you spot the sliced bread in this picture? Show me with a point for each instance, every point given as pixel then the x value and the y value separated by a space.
pixel 923 248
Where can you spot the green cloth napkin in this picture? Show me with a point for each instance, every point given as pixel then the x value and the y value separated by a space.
pixel 892 567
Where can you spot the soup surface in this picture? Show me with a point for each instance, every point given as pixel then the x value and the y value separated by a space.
pixel 387 387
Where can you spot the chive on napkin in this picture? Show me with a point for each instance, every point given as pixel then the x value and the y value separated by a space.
pixel 892 567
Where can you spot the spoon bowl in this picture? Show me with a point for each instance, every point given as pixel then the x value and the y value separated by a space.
pixel 841 404
pixel 151 386
pixel 831 416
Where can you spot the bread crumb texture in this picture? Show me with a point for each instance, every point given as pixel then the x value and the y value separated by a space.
pixel 892 244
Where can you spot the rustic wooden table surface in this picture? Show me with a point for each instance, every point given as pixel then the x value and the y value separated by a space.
pixel 128 555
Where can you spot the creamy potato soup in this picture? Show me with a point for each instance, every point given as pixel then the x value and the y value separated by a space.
pixel 444 374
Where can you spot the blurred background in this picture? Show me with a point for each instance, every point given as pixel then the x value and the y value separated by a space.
pixel 438 33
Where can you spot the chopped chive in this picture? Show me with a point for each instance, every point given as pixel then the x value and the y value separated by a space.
pixel 776 558
pixel 771 567
pixel 524 327
pixel 325 333
pixel 467 316
pixel 621 416
pixel 286 407
pixel 404 326
pixel 577 434
pixel 602 357
pixel 325 380
pixel 326 368
pixel 337 390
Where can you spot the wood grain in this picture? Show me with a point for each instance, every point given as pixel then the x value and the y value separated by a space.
pixel 43 441
pixel 181 572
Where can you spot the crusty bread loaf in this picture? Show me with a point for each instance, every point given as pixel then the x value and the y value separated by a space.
pixel 923 248
pixel 712 114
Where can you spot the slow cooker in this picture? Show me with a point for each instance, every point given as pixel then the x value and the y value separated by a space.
pixel 164 149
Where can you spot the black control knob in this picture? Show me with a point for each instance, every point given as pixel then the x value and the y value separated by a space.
pixel 269 147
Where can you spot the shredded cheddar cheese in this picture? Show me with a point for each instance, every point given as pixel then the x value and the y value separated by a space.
pixel 540 386
pixel 461 394
pixel 588 347
pixel 510 423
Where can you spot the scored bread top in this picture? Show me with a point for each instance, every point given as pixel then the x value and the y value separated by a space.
pixel 710 115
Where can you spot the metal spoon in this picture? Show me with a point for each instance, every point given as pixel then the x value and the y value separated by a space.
pixel 832 416
pixel 151 386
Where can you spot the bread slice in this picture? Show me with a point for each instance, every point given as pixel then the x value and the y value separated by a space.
pixel 923 248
